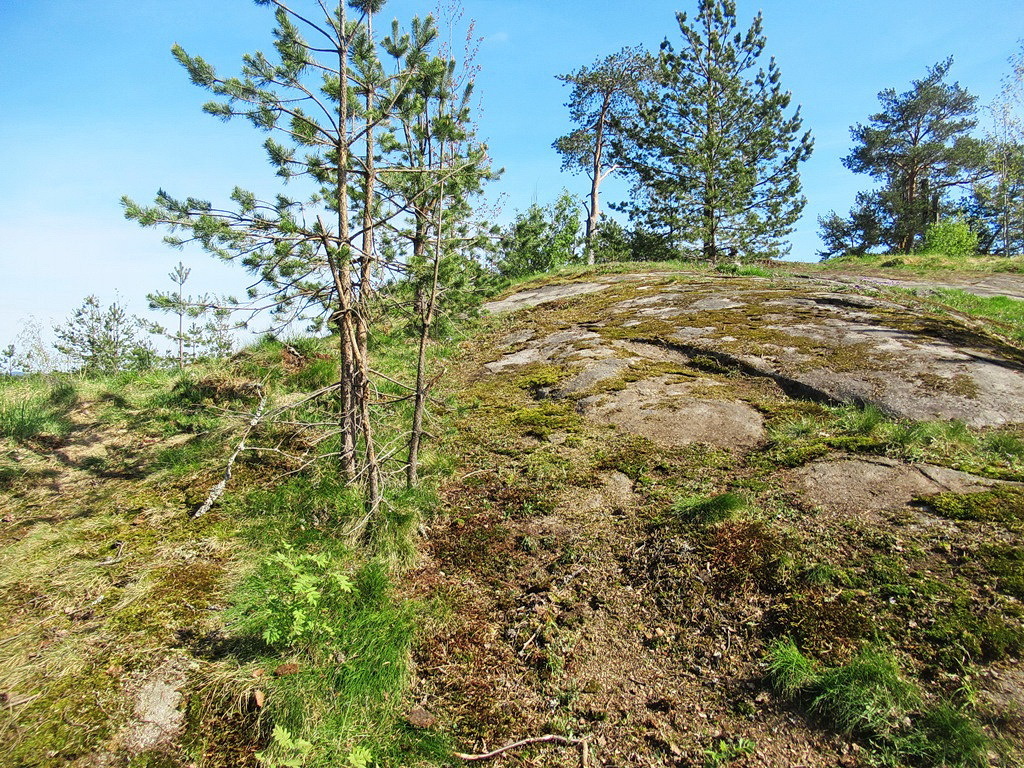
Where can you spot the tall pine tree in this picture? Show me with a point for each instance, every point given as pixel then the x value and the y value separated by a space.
pixel 920 148
pixel 713 154
pixel 601 93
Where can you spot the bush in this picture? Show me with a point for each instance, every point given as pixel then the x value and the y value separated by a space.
pixel 950 237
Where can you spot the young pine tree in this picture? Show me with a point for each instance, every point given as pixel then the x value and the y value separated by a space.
pixel 713 154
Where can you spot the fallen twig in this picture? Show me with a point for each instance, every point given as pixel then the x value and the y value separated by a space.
pixel 115 559
pixel 218 490
pixel 581 743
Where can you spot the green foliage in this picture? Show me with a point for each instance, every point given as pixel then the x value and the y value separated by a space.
pixel 744 270
pixel 297 597
pixel 951 237
pixel 725 751
pixel 103 341
pixel 713 156
pixel 706 510
pixel 191 456
pixel 541 239
pixel 290 750
pixel 360 757
pixel 919 147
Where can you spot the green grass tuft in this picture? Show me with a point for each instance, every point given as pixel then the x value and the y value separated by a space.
pixel 791 673
pixel 705 510
pixel 868 696
pixel 33 407
pixel 945 736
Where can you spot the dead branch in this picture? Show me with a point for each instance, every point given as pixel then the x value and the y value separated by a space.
pixel 218 490
pixel 581 743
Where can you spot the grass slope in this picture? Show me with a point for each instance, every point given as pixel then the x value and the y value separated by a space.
pixel 673 607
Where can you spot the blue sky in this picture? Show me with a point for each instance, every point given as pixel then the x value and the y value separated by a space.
pixel 92 107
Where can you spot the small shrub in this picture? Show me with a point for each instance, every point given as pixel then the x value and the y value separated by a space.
pixel 297 597
pixel 950 237
pixel 725 751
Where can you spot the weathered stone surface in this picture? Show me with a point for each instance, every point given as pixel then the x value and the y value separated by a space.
pixel 157 717
pixel 851 486
pixel 668 414
pixel 818 343
pixel 535 296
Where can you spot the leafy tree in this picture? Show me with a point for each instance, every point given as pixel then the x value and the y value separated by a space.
pixel 712 153
pixel 919 148
pixel 602 96
pixel 103 341
pixel 541 239
pixel 996 206
pixel 951 236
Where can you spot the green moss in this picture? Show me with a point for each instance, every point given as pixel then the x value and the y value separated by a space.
pixel 1006 563
pixel 543 419
pixel 1002 504
pixel 539 379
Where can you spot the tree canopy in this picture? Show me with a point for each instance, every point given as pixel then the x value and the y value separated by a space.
pixel 713 154
pixel 919 147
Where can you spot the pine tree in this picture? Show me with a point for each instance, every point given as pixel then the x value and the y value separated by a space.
pixel 103 340
pixel 336 107
pixel 212 337
pixel 713 155
pixel 603 95
pixel 920 148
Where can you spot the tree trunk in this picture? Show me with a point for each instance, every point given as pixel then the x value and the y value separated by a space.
pixel 342 268
pixel 425 300
pixel 595 181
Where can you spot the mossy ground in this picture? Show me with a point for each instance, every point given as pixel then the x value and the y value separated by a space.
pixel 679 607
pixel 109 577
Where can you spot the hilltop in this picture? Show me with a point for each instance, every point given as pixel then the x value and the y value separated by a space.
pixel 685 517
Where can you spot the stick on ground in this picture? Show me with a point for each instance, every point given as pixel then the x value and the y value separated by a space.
pixel 581 743
pixel 218 490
